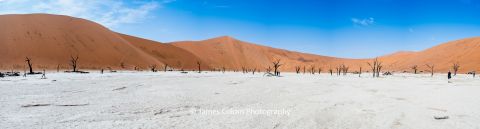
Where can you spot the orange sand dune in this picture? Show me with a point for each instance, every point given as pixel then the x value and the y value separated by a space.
pixel 50 40
pixel 465 52
pixel 166 53
pixel 234 54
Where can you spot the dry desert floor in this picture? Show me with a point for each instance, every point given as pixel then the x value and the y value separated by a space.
pixel 238 101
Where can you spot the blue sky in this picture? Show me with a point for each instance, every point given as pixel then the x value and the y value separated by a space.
pixel 342 28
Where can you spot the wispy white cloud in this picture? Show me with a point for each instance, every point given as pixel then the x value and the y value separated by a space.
pixel 110 13
pixel 363 22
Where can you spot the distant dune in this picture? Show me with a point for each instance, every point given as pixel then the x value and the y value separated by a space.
pixel 166 53
pixel 50 40
pixel 465 52
pixel 234 54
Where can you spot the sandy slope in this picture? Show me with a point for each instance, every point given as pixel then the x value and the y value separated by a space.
pixel 466 52
pixel 174 100
pixel 231 53
pixel 50 40
pixel 166 53
pixel 234 53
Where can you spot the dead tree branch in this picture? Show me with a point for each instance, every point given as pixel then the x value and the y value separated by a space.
pixel 415 68
pixel 29 63
pixel 455 67
pixel 74 63
pixel 431 68
pixel 276 65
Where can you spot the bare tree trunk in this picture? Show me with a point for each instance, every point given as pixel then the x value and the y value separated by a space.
pixel 337 69
pixel 304 69
pixel 29 63
pixel 312 69
pixel 199 68
pixel 153 68
pixel 360 73
pixel 122 65
pixel 74 62
pixel 455 67
pixel 269 69
pixel 331 71
pixel 415 68
pixel 165 67
pixel 379 69
pixel 344 69
pixel 376 67
pixel 297 69
pixel 431 67
pixel 276 65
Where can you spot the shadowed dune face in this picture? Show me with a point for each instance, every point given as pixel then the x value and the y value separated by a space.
pixel 50 40
pixel 235 54
pixel 166 53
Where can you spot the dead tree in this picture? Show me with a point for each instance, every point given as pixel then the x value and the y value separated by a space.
pixel 319 70
pixel 455 67
pixel 379 69
pixel 122 65
pixel 254 70
pixel 199 68
pixel 268 70
pixel 376 67
pixel 74 63
pixel 344 69
pixel 29 63
pixel 153 68
pixel 58 68
pixel 276 65
pixel 415 68
pixel 165 67
pixel 360 72
pixel 304 69
pixel 431 67
pixel 223 69
pixel 338 70
pixel 312 69
pixel 331 71
pixel 297 69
